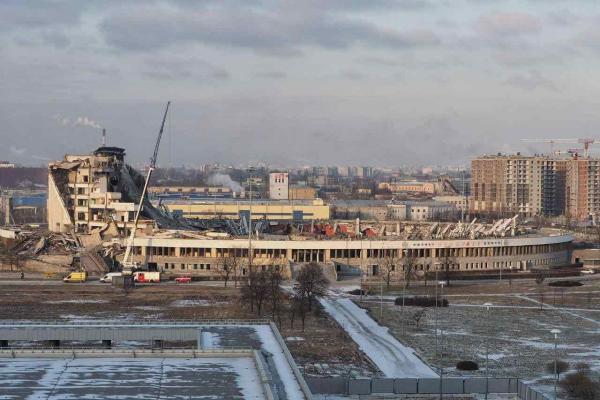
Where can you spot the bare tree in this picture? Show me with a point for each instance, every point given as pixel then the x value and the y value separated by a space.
pixel 275 293
pixel 388 266
pixel 228 268
pixel 312 283
pixel 408 264
pixel 256 290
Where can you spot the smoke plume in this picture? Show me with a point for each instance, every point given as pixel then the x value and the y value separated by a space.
pixel 224 180
pixel 78 121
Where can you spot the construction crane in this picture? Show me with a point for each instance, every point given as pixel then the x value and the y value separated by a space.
pixel 128 264
pixel 586 142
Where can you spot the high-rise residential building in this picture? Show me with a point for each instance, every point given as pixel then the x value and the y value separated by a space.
pixel 278 186
pixel 517 184
pixel 583 188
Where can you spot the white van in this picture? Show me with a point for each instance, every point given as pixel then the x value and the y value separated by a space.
pixel 108 277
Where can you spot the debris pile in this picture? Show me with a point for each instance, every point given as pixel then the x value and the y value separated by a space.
pixel 44 242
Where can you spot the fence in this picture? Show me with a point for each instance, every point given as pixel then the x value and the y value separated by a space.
pixel 348 386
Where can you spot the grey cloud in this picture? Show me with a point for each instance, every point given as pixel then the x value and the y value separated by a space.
pixel 531 81
pixel 353 75
pixel 182 68
pixel 281 32
pixel 35 14
pixel 506 24
pixel 272 74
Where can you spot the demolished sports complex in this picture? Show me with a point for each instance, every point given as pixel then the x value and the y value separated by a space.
pixel 96 196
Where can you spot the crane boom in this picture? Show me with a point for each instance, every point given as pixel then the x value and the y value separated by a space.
pixel 127 264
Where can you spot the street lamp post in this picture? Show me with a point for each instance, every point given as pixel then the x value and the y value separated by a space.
pixel 251 170
pixel 555 332
pixel 487 352
pixel 441 283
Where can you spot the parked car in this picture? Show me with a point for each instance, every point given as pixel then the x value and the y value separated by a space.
pixel 184 279
pixel 107 278
pixel 80 276
pixel 588 271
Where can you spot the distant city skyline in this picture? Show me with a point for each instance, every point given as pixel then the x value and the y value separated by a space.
pixel 291 83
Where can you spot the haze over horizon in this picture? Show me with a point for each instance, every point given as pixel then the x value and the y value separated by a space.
pixel 377 82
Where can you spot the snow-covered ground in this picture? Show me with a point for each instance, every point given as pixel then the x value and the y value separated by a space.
pixel 393 358
pixel 122 378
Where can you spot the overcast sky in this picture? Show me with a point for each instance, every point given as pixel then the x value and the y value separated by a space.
pixel 296 82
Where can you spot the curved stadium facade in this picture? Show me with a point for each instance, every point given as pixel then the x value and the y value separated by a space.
pixel 203 256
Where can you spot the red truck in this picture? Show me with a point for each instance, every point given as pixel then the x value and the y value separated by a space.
pixel 146 277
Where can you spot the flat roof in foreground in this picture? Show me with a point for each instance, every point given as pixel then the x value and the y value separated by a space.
pixel 130 378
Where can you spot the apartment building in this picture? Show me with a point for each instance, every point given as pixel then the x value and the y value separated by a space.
pixel 583 188
pixel 517 184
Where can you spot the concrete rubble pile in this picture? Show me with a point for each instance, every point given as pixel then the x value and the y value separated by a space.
pixel 43 242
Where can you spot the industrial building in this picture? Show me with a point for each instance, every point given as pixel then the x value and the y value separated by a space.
pixel 302 193
pixel 237 209
pixel 279 186
pixel 379 210
pixel 169 192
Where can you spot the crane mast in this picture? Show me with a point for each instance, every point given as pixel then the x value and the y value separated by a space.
pixel 128 264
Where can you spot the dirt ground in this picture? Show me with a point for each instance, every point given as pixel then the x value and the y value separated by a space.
pixel 516 331
pixel 323 348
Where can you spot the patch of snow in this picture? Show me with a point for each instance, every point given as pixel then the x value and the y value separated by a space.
pixel 194 303
pixel 148 308
pixel 77 301
pixel 270 344
pixel 210 340
pixel 294 339
pixel 393 358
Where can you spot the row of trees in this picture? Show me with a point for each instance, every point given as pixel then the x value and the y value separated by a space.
pixel 262 292
pixel 232 269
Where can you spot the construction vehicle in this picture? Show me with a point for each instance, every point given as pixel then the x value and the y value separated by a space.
pixel 78 276
pixel 128 265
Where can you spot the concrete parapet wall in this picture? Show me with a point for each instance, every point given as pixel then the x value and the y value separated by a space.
pixel 451 385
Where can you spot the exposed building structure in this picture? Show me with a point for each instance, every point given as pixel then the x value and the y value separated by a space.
pixel 301 210
pixel 509 184
pixel 87 192
pixel 278 186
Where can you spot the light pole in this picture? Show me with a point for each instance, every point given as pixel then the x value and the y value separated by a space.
pixel 441 283
pixel 251 170
pixel 487 352
pixel 555 332
pixel 404 255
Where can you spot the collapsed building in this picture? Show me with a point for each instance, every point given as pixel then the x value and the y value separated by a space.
pixel 98 191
